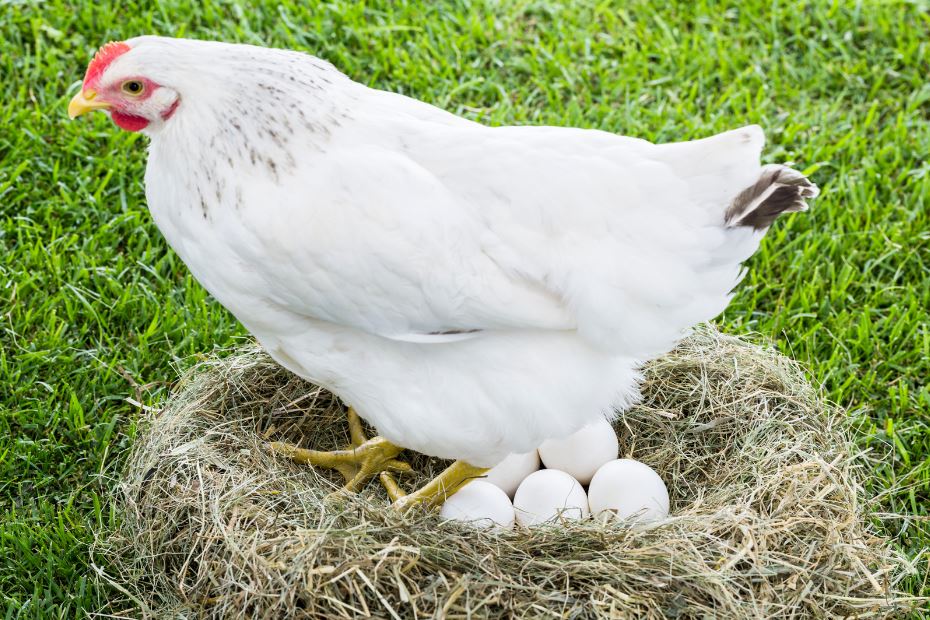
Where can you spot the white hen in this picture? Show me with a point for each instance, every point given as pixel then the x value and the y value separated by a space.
pixel 470 290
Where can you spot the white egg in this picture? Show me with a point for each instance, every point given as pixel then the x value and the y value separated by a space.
pixel 547 495
pixel 509 473
pixel 629 489
pixel 581 454
pixel 481 504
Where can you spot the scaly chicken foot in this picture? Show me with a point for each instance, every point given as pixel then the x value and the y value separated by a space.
pixel 367 458
pixel 436 491
pixel 363 460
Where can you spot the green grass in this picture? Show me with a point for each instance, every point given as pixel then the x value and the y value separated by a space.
pixel 95 309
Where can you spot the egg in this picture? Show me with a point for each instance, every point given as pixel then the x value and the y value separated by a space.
pixel 630 490
pixel 547 495
pixel 509 473
pixel 481 504
pixel 581 454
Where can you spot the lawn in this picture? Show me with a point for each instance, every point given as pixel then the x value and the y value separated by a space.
pixel 99 315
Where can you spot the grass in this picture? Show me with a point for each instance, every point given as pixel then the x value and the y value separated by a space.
pixel 95 309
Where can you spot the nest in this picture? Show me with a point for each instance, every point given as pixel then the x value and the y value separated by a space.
pixel 769 518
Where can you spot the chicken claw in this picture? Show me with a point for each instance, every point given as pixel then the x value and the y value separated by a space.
pixel 436 491
pixel 363 460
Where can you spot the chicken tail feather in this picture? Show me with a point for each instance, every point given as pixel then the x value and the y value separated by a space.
pixel 778 190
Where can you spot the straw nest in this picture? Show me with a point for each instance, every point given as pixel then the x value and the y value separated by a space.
pixel 768 513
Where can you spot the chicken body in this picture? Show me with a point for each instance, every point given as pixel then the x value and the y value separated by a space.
pixel 470 291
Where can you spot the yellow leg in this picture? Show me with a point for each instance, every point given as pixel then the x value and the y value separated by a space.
pixel 443 486
pixel 390 485
pixel 356 433
pixel 363 460
pixel 367 458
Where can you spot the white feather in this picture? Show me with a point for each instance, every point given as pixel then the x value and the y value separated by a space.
pixel 472 291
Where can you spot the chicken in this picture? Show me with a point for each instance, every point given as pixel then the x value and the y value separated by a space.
pixel 470 291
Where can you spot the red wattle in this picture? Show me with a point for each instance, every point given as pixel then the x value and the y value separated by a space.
pixel 128 121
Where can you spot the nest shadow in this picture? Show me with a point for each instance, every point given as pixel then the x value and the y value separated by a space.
pixel 769 517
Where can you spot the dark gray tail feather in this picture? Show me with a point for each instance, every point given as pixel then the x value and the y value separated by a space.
pixel 778 190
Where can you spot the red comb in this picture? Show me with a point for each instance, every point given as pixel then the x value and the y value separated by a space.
pixel 102 59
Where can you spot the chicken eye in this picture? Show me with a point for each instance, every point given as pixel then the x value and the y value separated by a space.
pixel 133 87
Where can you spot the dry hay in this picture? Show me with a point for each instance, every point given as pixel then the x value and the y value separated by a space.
pixel 769 517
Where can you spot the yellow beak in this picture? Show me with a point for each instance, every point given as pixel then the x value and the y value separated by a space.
pixel 85 102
